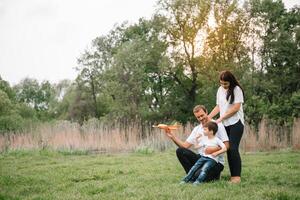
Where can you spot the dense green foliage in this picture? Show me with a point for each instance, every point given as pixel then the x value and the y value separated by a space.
pixel 158 69
pixel 142 175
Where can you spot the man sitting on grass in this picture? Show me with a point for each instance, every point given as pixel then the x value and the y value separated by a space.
pixel 188 158
pixel 207 161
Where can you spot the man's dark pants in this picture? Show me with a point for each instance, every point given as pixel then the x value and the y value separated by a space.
pixel 188 158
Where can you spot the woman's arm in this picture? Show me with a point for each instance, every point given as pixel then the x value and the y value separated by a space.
pixel 214 112
pixel 234 109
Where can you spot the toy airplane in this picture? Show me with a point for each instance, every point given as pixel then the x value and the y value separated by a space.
pixel 164 126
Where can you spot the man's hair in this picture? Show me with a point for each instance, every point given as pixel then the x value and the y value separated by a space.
pixel 199 107
pixel 211 126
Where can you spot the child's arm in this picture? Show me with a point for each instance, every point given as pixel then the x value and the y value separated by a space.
pixel 211 150
pixel 222 150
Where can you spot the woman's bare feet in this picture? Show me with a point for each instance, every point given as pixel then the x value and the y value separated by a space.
pixel 235 179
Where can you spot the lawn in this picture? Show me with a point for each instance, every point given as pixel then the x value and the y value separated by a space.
pixel 141 175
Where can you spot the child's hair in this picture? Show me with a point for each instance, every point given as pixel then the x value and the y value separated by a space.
pixel 211 126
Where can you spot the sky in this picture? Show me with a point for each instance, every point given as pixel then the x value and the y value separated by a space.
pixel 42 39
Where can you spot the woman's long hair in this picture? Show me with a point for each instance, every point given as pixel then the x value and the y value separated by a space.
pixel 229 77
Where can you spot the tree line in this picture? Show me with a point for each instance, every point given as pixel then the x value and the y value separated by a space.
pixel 158 69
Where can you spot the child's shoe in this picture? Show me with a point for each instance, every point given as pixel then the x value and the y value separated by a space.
pixel 196 183
pixel 182 183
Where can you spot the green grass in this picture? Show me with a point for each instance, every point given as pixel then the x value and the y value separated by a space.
pixel 141 175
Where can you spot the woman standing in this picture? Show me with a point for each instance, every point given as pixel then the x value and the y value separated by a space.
pixel 230 98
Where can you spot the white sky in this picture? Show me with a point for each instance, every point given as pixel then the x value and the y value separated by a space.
pixel 42 39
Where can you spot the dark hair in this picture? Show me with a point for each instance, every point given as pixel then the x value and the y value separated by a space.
pixel 199 107
pixel 229 77
pixel 212 126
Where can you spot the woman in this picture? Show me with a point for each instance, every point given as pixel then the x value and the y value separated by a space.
pixel 230 97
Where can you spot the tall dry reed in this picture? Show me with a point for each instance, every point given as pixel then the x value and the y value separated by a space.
pixel 94 135
pixel 269 136
pixel 296 134
pixel 127 135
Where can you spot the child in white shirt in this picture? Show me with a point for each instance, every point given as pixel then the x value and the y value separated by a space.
pixel 207 161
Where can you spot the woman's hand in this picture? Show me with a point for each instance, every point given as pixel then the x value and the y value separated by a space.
pixel 219 120
pixel 214 112
pixel 234 109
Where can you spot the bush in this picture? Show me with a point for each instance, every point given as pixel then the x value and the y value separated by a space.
pixel 13 122
pixel 295 104
pixel 255 108
pixel 26 112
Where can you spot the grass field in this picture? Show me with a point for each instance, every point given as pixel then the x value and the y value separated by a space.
pixel 141 175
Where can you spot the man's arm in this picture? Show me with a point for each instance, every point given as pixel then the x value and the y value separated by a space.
pixel 222 150
pixel 222 145
pixel 176 140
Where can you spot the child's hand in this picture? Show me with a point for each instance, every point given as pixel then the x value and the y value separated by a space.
pixel 214 154
pixel 198 137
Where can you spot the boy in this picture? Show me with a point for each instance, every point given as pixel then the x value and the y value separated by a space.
pixel 206 161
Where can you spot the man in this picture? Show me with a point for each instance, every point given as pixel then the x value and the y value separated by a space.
pixel 188 158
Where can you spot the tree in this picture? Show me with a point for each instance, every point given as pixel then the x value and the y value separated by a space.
pixel 137 76
pixel 278 77
pixel 185 20
pixel 226 46
pixel 35 95
pixel 204 37
pixel 5 87
pixel 91 66
pixel 10 120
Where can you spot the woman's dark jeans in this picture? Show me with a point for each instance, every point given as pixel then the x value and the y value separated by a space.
pixel 188 158
pixel 235 133
pixel 205 164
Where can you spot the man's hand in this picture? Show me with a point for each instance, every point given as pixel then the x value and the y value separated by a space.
pixel 211 150
pixel 168 132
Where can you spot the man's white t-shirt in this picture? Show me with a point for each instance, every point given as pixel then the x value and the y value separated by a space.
pixel 224 105
pixel 221 134
pixel 212 142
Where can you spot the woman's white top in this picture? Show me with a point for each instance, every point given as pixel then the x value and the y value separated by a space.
pixel 224 105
